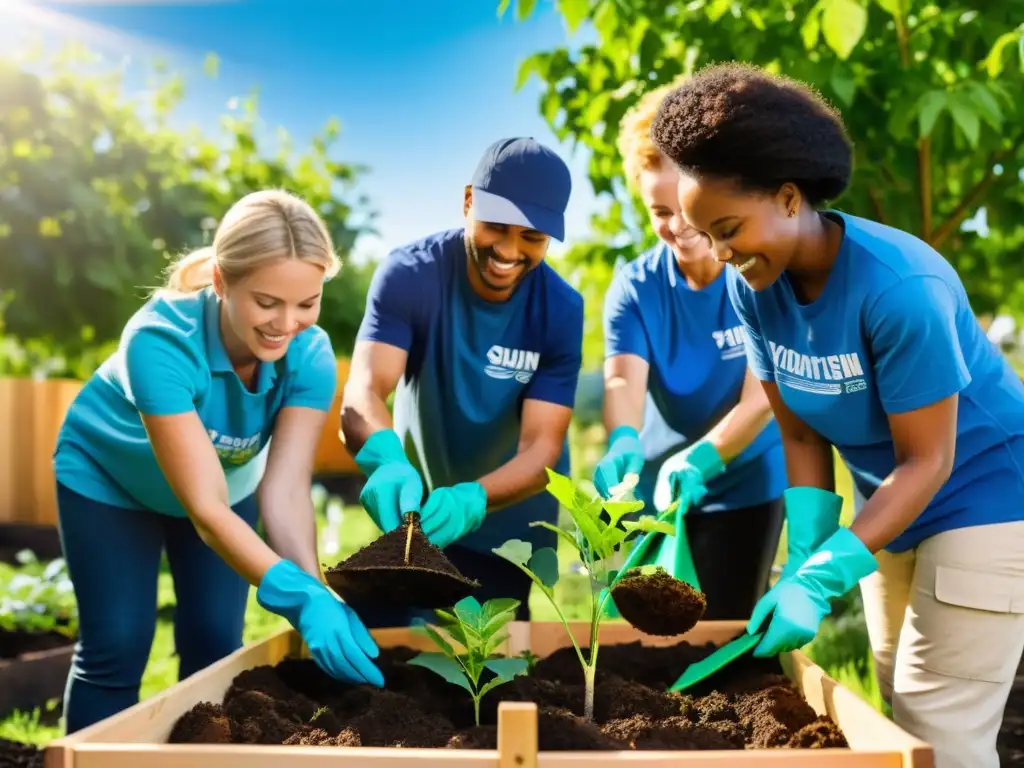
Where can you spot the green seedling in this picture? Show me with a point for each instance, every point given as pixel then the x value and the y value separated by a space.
pixel 37 597
pixel 480 631
pixel 598 532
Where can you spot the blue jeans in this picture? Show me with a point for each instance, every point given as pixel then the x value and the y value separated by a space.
pixel 113 556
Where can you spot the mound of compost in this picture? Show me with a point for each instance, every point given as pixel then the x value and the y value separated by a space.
pixel 400 568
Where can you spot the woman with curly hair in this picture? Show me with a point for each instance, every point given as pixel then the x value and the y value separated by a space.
pixel 864 340
pixel 681 408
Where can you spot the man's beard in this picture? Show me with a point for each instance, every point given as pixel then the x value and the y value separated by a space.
pixel 480 257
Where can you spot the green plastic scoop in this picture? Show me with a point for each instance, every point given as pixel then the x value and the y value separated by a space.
pixel 723 656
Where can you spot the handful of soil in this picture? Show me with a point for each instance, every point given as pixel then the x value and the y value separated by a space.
pixel 656 603
pixel 401 568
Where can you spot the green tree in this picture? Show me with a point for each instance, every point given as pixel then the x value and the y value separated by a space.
pixel 930 94
pixel 99 191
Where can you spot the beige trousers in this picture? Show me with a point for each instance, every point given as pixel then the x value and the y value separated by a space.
pixel 946 625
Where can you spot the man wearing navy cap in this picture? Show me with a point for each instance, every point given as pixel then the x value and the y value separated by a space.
pixel 481 341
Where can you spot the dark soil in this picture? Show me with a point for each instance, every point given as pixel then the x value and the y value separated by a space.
pixel 657 603
pixel 18 642
pixel 379 572
pixel 16 755
pixel 752 705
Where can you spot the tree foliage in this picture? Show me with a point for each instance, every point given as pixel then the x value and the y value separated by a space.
pixel 930 94
pixel 99 191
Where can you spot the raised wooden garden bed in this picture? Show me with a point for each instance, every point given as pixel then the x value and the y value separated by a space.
pixel 140 736
pixel 32 678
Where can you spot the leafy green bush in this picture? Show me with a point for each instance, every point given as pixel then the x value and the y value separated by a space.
pixel 37 598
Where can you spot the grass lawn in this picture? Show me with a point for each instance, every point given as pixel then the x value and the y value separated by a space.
pixel 841 646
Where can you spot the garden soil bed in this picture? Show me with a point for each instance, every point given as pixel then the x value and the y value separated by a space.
pixel 752 705
pixel 14 754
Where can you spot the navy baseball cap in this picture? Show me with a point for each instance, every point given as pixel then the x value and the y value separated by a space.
pixel 521 182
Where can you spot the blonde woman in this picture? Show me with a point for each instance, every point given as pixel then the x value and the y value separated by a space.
pixel 167 447
pixel 680 406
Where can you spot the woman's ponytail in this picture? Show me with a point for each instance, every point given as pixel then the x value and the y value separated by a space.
pixel 192 272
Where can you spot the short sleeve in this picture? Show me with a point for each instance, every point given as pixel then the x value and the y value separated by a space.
pixel 741 297
pixel 624 332
pixel 390 301
pixel 161 371
pixel 558 372
pixel 315 377
pixel 915 345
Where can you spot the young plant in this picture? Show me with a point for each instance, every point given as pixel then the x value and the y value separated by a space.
pixel 37 597
pixel 598 532
pixel 479 630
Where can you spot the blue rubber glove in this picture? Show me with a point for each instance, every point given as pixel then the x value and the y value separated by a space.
pixel 393 486
pixel 812 515
pixel 684 475
pixel 337 640
pixel 453 511
pixel 625 455
pixel 798 603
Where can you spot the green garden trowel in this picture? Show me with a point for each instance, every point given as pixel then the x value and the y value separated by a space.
pixel 812 515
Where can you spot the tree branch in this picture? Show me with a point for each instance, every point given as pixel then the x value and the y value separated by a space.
pixel 876 203
pixel 974 194
pixel 924 183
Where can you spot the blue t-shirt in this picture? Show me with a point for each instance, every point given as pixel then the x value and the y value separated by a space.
pixel 893 331
pixel 171 360
pixel 694 345
pixel 471 364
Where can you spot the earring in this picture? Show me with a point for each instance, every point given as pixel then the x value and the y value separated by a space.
pixel 792 213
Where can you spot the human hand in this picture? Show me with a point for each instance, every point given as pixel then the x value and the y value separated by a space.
pixel 812 515
pixel 795 606
pixel 683 476
pixel 337 639
pixel 393 486
pixel 452 512
pixel 625 456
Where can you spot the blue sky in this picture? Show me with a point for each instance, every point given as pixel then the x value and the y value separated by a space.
pixel 421 87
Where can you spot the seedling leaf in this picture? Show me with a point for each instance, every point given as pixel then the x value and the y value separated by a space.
pixel 563 489
pixel 506 669
pixel 439 640
pixel 447 668
pixel 649 525
pixel 515 551
pixel 618 509
pixel 544 564
pixel 498 606
pixel 564 534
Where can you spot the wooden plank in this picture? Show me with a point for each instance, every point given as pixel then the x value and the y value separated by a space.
pixel 517 734
pixel 768 758
pixel 241 756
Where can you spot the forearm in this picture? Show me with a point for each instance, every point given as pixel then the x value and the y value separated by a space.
pixel 290 522
pixel 234 541
pixel 622 407
pixel 738 429
pixel 362 413
pixel 809 462
pixel 903 496
pixel 522 476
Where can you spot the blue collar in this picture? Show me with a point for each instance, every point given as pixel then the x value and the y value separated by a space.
pixel 216 354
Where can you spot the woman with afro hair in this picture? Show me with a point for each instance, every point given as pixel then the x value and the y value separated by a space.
pixel 681 407
pixel 864 340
